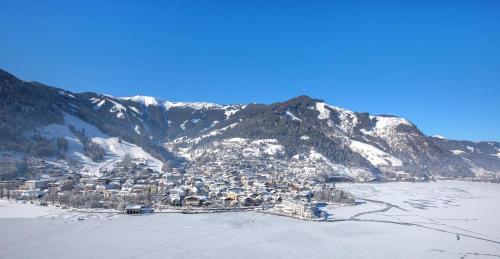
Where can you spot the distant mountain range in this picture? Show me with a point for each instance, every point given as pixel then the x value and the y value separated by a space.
pixel 93 131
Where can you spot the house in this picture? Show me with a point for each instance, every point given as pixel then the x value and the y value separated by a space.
pixel 103 181
pixel 247 181
pixel 175 200
pixel 89 187
pixel 234 192
pixel 32 194
pixel 192 201
pixel 36 184
pixel 66 185
pixel 249 201
pixel 232 195
pixel 225 201
pixel 137 209
pixel 139 188
pixel 177 191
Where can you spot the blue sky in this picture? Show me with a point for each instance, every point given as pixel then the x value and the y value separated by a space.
pixel 436 63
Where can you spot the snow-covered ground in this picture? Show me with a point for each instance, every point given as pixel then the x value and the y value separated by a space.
pixel 415 220
pixel 461 207
pixel 114 148
pixel 26 210
pixel 374 155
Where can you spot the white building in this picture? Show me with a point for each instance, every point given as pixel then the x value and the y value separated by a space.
pixel 297 208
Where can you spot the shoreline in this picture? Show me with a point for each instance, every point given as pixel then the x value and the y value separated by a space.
pixel 258 209
pixel 429 220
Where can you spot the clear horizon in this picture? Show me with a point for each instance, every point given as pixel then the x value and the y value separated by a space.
pixel 436 64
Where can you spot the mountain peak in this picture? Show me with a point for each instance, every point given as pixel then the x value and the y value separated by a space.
pixel 306 98
pixel 302 100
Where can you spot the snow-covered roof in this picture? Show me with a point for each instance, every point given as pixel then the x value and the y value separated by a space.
pixel 133 207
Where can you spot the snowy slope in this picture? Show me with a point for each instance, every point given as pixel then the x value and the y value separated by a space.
pixel 376 156
pixel 114 148
pixel 357 141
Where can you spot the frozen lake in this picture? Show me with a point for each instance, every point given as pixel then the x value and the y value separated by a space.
pixel 402 220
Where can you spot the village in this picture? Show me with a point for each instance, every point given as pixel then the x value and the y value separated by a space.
pixel 220 182
pixel 134 188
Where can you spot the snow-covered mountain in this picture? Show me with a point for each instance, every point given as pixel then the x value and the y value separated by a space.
pixel 301 135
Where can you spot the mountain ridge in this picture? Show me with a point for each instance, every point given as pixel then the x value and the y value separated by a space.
pixel 292 135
